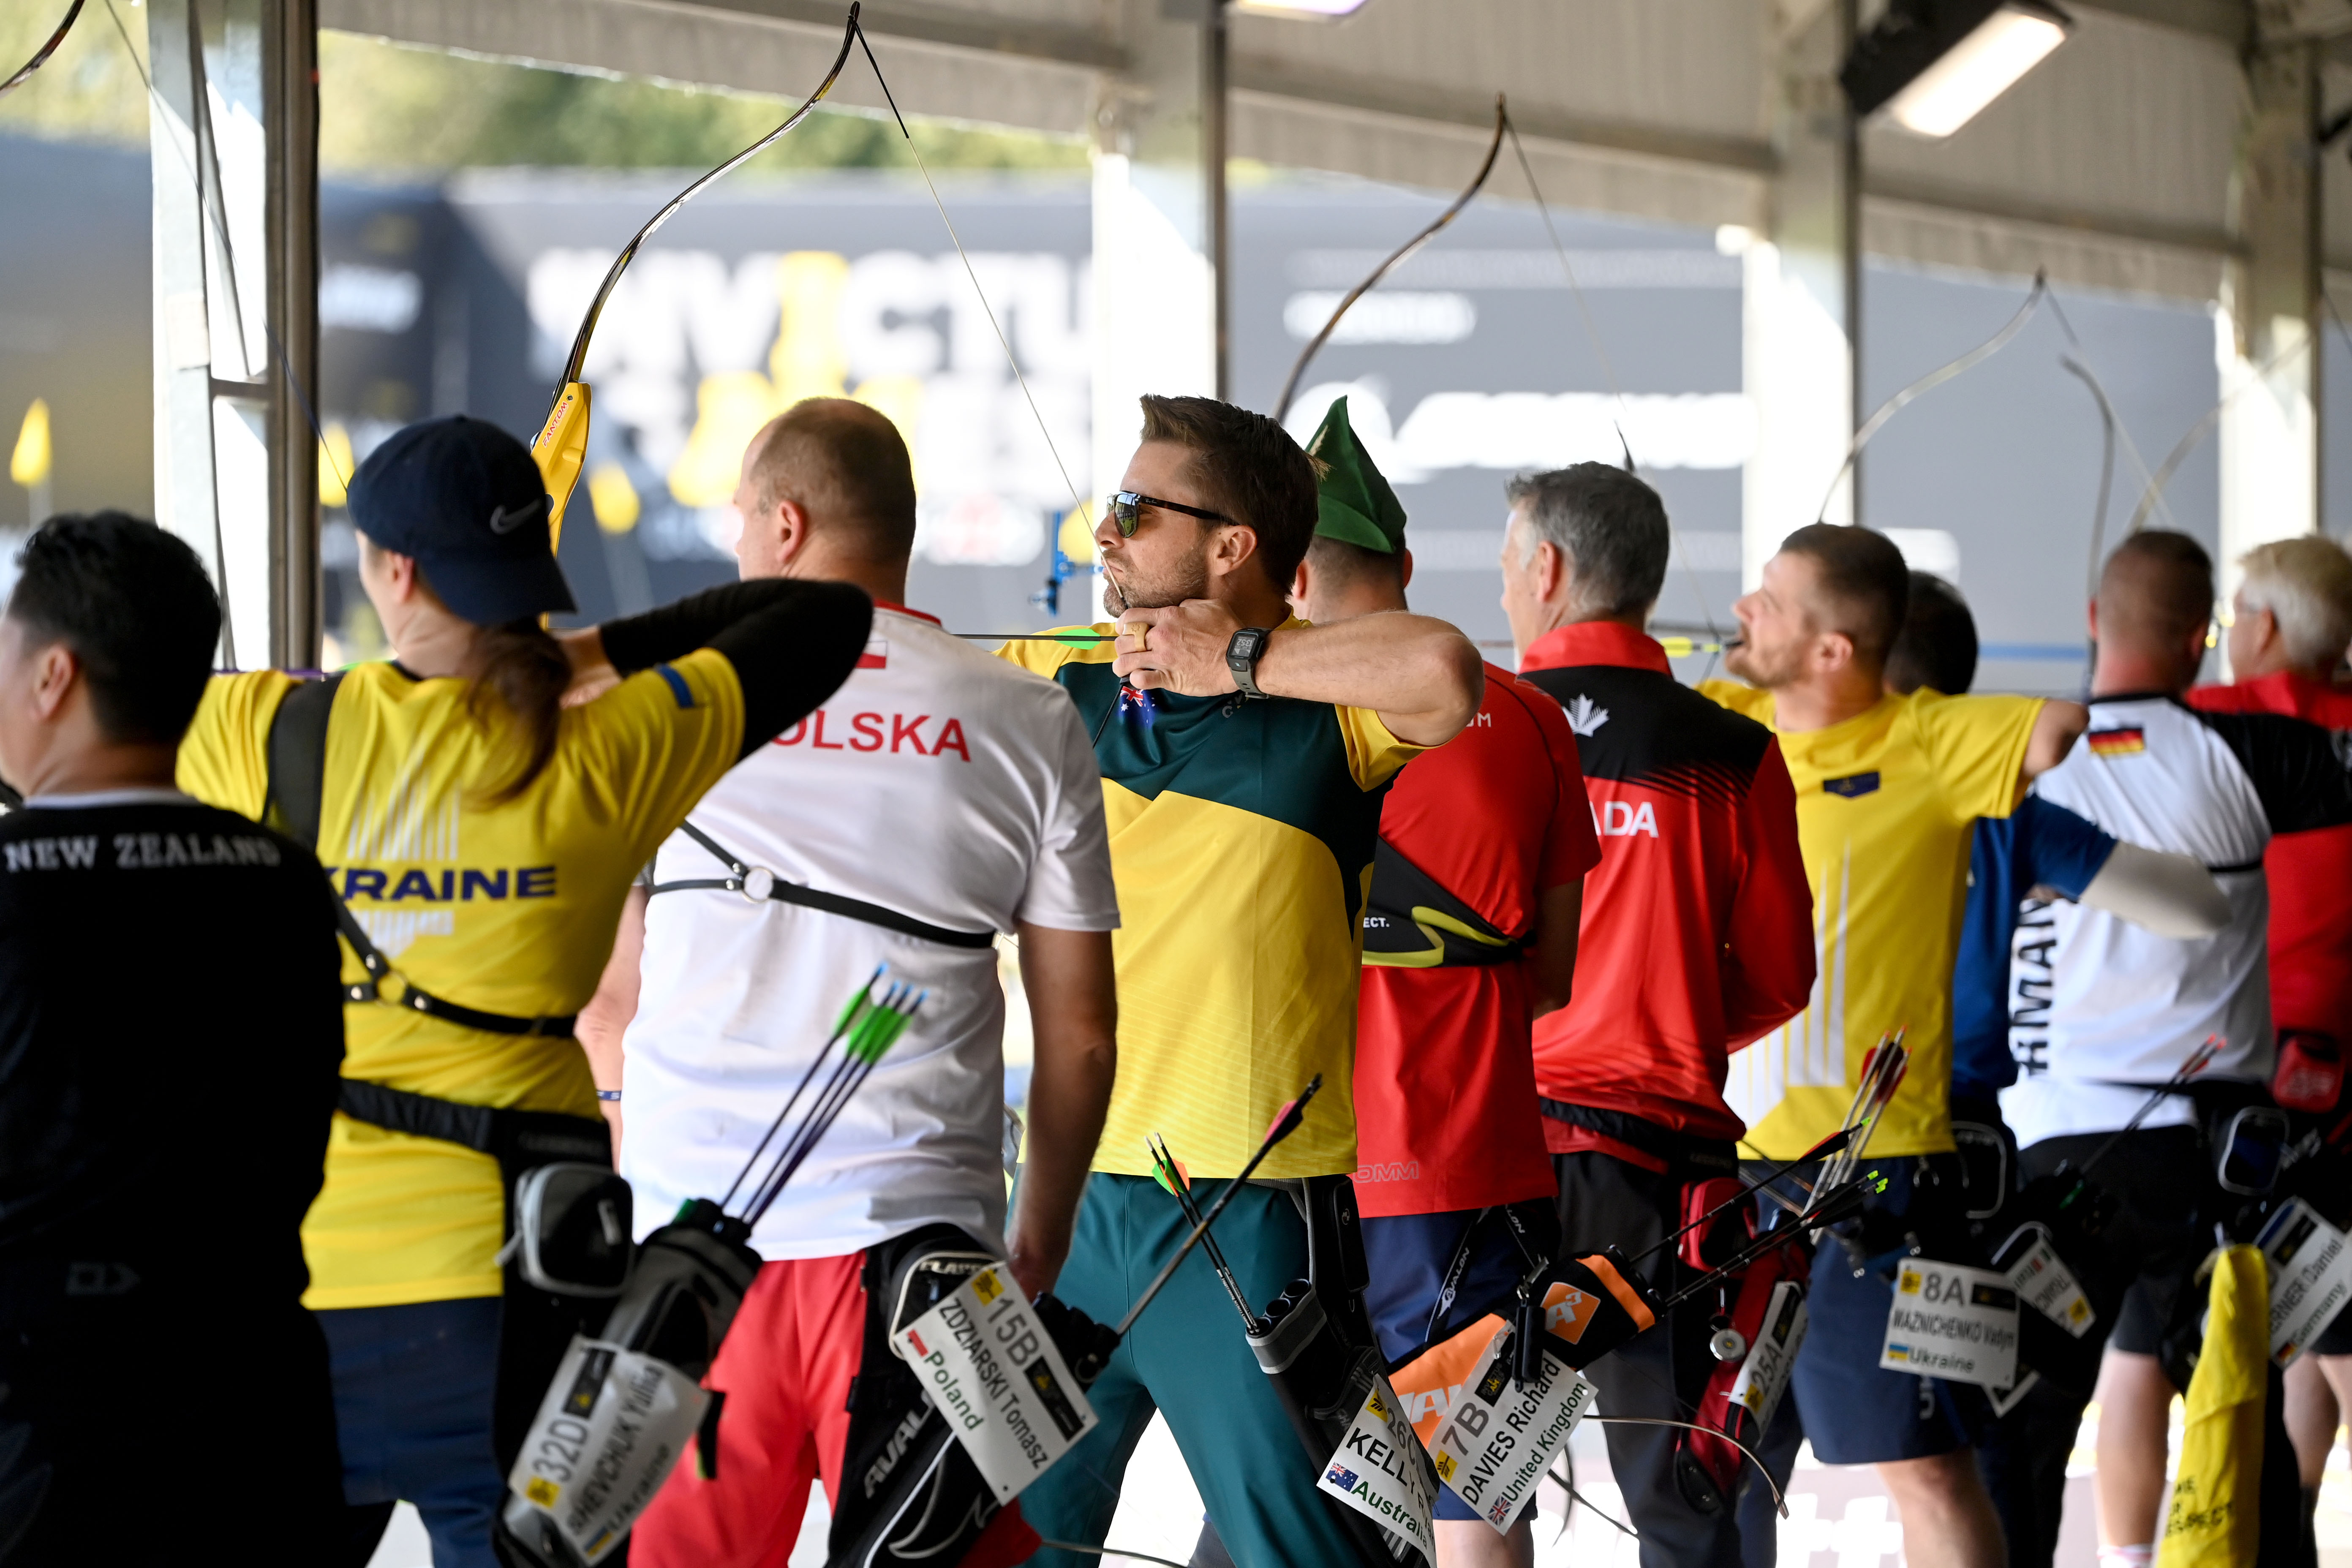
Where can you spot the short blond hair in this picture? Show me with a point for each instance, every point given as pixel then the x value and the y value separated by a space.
pixel 2307 584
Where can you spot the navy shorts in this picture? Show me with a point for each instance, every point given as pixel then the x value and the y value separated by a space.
pixel 1407 1300
pixel 1856 1413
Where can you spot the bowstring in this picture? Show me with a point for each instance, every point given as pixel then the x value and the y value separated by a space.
pixel 1607 367
pixel 1926 383
pixel 1077 505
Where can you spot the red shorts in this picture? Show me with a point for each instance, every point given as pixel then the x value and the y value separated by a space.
pixel 785 1368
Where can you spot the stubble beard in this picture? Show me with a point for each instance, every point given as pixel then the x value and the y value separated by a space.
pixel 1760 666
pixel 1189 580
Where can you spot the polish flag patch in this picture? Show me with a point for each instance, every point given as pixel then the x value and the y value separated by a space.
pixel 877 654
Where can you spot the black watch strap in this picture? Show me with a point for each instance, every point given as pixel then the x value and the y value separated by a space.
pixel 1242 655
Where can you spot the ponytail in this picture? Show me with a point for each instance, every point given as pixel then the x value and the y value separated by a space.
pixel 525 670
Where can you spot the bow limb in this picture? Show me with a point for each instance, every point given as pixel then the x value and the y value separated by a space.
pixel 41 55
pixel 1715 642
pixel 1933 379
pixel 2153 496
pixel 561 446
pixel 2090 379
pixel 1396 257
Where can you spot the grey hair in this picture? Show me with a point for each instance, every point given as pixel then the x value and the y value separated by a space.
pixel 1611 527
pixel 2306 583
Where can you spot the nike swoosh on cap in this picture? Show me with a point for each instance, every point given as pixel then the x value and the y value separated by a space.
pixel 506 520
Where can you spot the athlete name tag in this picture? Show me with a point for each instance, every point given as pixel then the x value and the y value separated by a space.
pixel 2043 1282
pixel 613 1426
pixel 1379 1470
pixel 1764 1375
pixel 994 1371
pixel 2311 1276
pixel 1952 1321
pixel 1499 1436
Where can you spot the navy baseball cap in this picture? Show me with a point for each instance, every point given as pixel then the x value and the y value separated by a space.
pixel 464 498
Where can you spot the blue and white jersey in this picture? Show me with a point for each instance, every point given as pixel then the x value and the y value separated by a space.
pixel 2105 1010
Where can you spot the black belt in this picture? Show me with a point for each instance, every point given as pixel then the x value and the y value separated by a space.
pixel 759 884
pixel 1678 1150
pixel 518 1139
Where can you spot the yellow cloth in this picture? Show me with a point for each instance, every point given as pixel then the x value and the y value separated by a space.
pixel 509 909
pixel 2214 1520
pixel 1886 809
pixel 1241 839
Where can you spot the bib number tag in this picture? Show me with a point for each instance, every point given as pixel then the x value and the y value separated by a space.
pixel 613 1424
pixel 2042 1281
pixel 994 1371
pixel 2311 1276
pixel 1498 1438
pixel 1952 1321
pixel 1764 1375
pixel 1379 1470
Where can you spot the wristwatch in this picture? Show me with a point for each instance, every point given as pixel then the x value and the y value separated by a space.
pixel 1242 655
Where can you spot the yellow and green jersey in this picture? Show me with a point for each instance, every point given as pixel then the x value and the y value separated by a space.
pixel 509 909
pixel 1886 809
pixel 1241 840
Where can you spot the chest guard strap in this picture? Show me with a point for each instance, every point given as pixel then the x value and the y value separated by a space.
pixel 758 884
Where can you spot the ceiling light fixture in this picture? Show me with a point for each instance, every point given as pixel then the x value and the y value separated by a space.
pixel 1932 65
pixel 1320 10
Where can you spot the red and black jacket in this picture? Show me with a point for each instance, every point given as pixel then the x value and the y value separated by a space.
pixel 1697 934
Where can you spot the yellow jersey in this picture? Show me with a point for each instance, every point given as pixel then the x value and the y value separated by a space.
pixel 1241 843
pixel 1886 809
pixel 509 909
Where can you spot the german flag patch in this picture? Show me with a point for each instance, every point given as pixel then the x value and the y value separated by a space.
pixel 2118 742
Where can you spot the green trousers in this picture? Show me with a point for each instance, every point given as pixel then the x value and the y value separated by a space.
pixel 1187 1357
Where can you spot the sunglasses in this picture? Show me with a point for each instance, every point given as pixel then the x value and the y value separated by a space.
pixel 1125 509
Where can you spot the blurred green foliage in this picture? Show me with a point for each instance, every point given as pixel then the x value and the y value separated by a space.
pixel 386 107
pixel 389 109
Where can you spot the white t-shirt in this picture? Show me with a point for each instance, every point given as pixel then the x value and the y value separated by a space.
pixel 2102 1010
pixel 940 782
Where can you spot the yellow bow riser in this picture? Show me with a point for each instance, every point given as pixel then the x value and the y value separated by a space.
pixel 560 449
